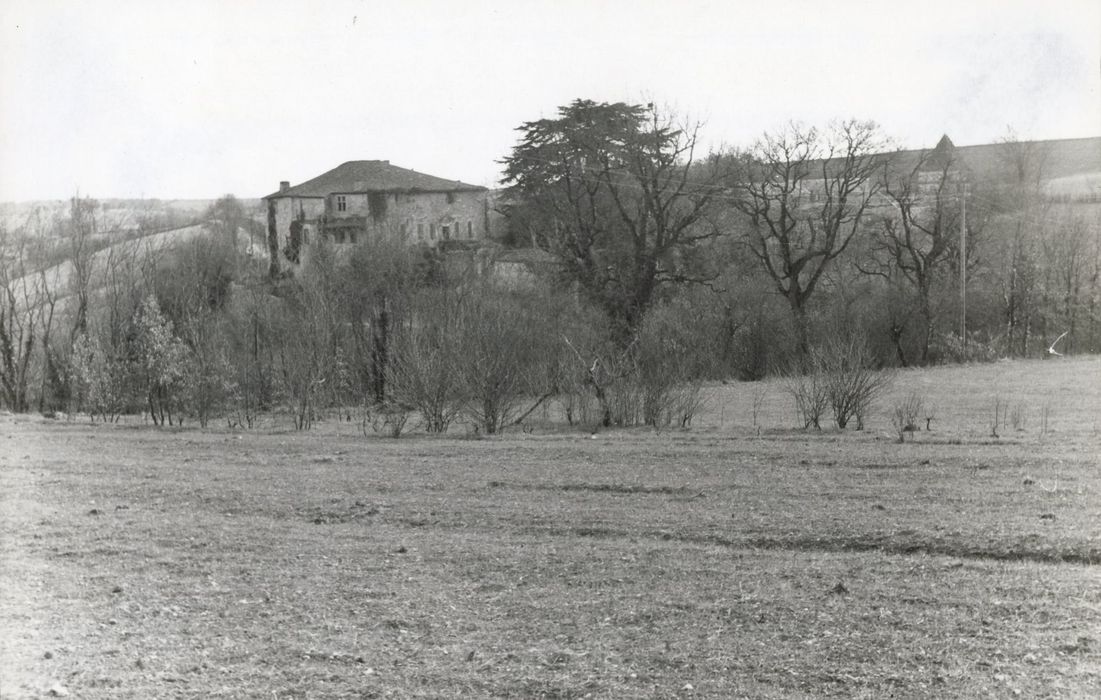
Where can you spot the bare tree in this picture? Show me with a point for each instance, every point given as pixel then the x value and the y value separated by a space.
pixel 26 318
pixel 1024 210
pixel 804 195
pixel 311 341
pixel 423 369
pixel 252 336
pixel 379 275
pixel 82 229
pixel 914 239
pixel 194 288
pixel 1070 280
pixel 498 357
pixel 301 349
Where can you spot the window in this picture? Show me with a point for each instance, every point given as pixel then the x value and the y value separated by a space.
pixel 432 231
pixel 470 229
pixel 420 232
pixel 445 232
pixel 341 203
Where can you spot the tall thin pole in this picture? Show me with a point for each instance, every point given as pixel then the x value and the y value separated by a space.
pixel 963 264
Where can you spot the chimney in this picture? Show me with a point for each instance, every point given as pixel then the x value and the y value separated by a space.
pixel 284 185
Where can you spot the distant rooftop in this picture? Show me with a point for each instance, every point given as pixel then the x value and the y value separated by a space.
pixel 1055 158
pixel 1059 157
pixel 357 176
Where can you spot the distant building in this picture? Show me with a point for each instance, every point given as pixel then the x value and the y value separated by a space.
pixel 522 268
pixel 1066 169
pixel 371 197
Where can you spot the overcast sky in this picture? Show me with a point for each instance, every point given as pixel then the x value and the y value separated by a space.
pixel 200 98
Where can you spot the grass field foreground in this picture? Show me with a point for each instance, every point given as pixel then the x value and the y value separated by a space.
pixel 732 560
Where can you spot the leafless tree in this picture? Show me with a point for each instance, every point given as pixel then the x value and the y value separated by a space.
pixel 1024 211
pixel 380 273
pixel 1071 263
pixel 805 194
pixel 194 288
pixel 27 305
pixel 423 370
pixel 914 239
pixel 499 357
pixel 82 228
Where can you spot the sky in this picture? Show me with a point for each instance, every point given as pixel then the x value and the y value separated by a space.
pixel 196 99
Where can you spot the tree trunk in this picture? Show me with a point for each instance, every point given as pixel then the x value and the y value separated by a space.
pixel 802 331
pixel 896 337
pixel 380 350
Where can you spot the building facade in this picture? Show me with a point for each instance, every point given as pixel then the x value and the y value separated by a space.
pixel 365 198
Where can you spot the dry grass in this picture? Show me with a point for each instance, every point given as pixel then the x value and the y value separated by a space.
pixel 150 563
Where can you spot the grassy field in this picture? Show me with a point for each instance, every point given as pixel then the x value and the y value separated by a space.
pixel 732 560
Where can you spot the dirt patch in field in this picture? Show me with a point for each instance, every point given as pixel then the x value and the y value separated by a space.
pixel 625 489
pixel 906 544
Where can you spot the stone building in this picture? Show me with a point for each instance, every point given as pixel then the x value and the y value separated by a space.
pixel 372 197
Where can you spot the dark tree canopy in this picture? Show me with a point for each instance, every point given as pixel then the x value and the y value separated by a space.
pixel 619 194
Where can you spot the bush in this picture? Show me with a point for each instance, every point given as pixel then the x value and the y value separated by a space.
pixel 672 358
pixel 500 352
pixel 422 371
pixel 810 394
pixel 389 418
pixel 840 377
pixel 904 417
pixel 950 349
pixel 851 384
pixel 655 380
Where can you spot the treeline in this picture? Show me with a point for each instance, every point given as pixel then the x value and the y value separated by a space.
pixel 809 233
pixel 382 334
pixel 671 268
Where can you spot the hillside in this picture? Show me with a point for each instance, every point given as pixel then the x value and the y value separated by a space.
pixel 58 279
pixel 113 215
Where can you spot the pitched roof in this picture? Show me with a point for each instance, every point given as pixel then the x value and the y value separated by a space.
pixel 1055 158
pixel 373 176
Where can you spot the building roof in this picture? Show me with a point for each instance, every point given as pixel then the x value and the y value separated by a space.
pixel 1050 159
pixel 1054 158
pixel 360 176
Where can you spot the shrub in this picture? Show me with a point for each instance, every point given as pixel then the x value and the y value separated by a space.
pixel 422 371
pixel 655 380
pixel 840 378
pixel 905 415
pixel 667 366
pixel 811 397
pixel 500 356
pixel 851 384
pixel 949 348
pixel 389 418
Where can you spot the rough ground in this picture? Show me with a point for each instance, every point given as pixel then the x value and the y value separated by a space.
pixel 138 562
